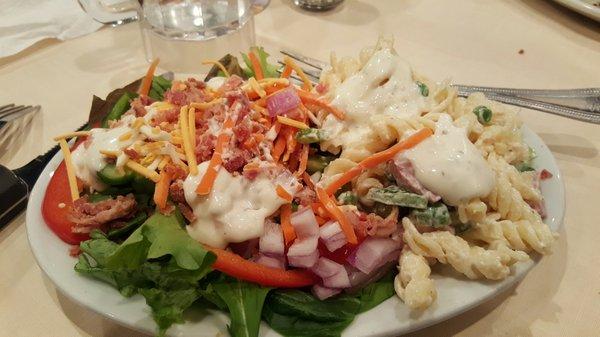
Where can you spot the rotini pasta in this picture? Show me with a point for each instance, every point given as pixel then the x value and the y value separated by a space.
pixel 413 284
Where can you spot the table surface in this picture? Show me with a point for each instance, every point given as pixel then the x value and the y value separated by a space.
pixel 472 42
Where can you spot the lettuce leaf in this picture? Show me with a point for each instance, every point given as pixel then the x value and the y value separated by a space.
pixel 269 70
pixel 245 303
pixel 158 260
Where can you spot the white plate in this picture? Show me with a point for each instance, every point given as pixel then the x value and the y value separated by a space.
pixel 455 293
pixel 585 7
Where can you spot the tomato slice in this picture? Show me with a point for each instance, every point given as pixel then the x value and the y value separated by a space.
pixel 240 268
pixel 58 194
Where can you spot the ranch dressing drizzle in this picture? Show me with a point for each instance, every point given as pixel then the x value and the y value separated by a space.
pixel 383 87
pixel 449 165
pixel 236 208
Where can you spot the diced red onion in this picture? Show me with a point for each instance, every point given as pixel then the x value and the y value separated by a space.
pixel 338 280
pixel 358 279
pixel 270 261
pixel 271 242
pixel 282 102
pixel 303 253
pixel 326 268
pixel 373 253
pixel 305 223
pixel 322 292
pixel 332 235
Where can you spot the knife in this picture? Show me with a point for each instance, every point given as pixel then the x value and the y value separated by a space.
pixel 16 185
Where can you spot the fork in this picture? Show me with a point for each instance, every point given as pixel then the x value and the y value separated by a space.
pixel 11 112
pixel 581 104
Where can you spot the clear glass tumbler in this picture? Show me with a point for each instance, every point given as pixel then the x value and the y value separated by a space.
pixel 183 33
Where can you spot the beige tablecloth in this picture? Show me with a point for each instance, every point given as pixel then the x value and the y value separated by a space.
pixel 473 42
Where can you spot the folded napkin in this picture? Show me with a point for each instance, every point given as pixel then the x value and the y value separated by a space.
pixel 25 22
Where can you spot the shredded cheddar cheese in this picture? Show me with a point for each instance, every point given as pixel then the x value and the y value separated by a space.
pixel 152 175
pixel 256 87
pixel 70 169
pixel 109 153
pixel 187 146
pixel 192 125
pixel 218 64
pixel 291 122
pixel 206 105
pixel 71 135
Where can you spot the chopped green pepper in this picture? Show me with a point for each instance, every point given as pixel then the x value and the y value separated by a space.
pixel 423 88
pixel 347 198
pixel 317 163
pixel 483 113
pixel 393 195
pixel 435 216
pixel 119 108
pixel 309 136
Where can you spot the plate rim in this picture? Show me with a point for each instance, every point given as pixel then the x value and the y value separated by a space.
pixel 34 212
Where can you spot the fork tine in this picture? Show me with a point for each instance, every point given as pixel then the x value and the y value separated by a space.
pixel 7 106
pixel 305 59
pixel 12 110
pixel 20 112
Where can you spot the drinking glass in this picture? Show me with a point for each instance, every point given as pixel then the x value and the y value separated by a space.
pixel 183 33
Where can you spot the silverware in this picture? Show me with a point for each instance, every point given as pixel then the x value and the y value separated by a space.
pixel 581 104
pixel 10 112
pixel 15 185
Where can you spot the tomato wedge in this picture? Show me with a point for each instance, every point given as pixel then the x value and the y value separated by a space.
pixel 240 268
pixel 58 194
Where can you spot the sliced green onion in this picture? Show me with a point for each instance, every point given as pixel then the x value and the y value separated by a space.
pixel 483 113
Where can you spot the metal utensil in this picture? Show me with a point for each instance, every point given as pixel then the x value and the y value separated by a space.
pixel 581 104
pixel 15 185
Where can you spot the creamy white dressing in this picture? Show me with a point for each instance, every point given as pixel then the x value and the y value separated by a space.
pixel 216 82
pixel 87 160
pixel 383 87
pixel 449 165
pixel 236 208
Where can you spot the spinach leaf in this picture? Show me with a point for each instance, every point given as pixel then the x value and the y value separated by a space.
pixel 303 304
pixel 168 306
pixel 296 326
pixel 245 303
pixel 375 293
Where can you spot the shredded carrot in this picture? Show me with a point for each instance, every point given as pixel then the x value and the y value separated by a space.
pixel 306 83
pixel 219 65
pixel 278 148
pixel 161 191
pixel 269 89
pixel 337 213
pixel 210 175
pixel 308 180
pixel 310 99
pixel 303 161
pixel 286 72
pixel 320 221
pixel 291 143
pixel 319 210
pixel 147 81
pixel 283 193
pixel 289 234
pixel 378 158
pixel 258 73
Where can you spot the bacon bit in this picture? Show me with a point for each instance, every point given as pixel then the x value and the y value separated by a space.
pixel 210 175
pixel 545 174
pixel 283 193
pixel 132 153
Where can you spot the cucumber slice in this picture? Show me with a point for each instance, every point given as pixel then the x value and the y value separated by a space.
pixel 114 176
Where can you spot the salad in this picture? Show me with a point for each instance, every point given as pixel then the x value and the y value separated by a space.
pixel 258 193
